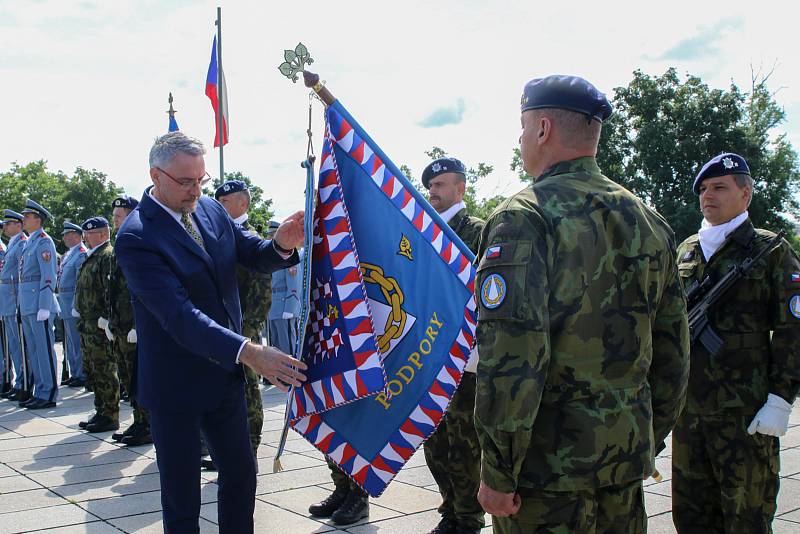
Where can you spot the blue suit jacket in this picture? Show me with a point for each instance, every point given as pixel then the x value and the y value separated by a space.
pixel 36 290
pixel 186 302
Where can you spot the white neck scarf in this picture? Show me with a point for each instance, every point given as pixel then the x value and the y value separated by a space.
pixel 712 237
pixel 447 214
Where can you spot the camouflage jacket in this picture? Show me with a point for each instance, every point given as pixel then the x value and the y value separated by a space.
pixel 750 364
pixel 582 333
pixel 467 228
pixel 121 321
pixel 255 295
pixel 92 289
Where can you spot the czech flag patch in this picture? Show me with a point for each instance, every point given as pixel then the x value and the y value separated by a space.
pixel 495 251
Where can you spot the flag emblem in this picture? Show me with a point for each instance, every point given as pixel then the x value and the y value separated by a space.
pixel 493 252
pixel 794 278
pixel 493 291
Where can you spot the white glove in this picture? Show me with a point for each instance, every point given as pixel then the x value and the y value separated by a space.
pixel 773 418
pixel 43 315
pixel 109 335
pixel 75 313
pixel 58 306
pixel 102 322
pixel 132 336
pixel 287 315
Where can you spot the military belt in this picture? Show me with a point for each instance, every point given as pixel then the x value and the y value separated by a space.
pixel 29 279
pixel 749 340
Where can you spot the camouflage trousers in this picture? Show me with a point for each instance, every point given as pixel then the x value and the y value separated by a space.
pixel 723 479
pixel 453 455
pixel 610 509
pixel 101 373
pixel 252 395
pixel 125 356
pixel 340 479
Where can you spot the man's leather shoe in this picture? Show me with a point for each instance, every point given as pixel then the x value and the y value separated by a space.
pixel 8 394
pixel 26 402
pixel 65 381
pixel 102 424
pixel 92 419
pixel 77 383
pixel 40 404
pixel 354 508
pixel 330 504
pixel 445 526
pixel 207 464
pixel 140 437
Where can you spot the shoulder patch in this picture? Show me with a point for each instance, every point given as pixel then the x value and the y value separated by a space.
pixel 794 306
pixel 688 256
pixel 493 291
pixel 494 252
pixel 46 255
pixel 794 280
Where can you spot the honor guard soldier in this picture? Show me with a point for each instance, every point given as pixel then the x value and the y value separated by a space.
pixel 37 304
pixel 255 297
pixel 582 331
pixel 68 269
pixel 9 278
pixel 123 328
pixel 92 308
pixel 453 453
pixel 5 361
pixel 285 308
pixel 725 444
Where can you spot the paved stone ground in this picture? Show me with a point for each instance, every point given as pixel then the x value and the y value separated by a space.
pixel 57 478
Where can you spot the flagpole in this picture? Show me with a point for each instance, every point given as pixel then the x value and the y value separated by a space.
pixel 220 103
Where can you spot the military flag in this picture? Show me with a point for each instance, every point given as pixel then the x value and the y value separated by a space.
pixel 392 313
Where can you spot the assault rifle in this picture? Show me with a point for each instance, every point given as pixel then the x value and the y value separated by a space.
pixel 702 297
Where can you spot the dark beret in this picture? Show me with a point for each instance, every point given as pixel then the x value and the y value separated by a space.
pixel 34 207
pixel 566 92
pixel 721 165
pixel 229 187
pixel 125 201
pixel 93 223
pixel 71 227
pixel 441 166
pixel 11 215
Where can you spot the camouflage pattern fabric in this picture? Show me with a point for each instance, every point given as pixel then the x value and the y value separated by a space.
pixel 341 480
pixel 606 510
pixel 92 302
pixel 582 335
pixel 723 479
pixel 723 476
pixel 452 452
pixel 256 297
pixel 121 321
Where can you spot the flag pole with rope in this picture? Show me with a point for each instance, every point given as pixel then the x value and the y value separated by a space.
pixel 222 134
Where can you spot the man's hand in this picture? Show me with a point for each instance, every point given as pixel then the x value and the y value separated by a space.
pixel 498 503
pixel 290 233
pixel 42 315
pixel 773 418
pixel 132 335
pixel 274 365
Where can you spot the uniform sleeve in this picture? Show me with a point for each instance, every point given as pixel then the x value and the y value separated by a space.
pixel 121 306
pixel 255 296
pixel 79 261
pixel 46 256
pixel 784 365
pixel 513 341
pixel 669 371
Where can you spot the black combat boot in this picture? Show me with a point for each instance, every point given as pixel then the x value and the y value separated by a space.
pixel 354 508
pixel 92 419
pixel 103 423
pixel 331 503
pixel 140 436
pixel 445 526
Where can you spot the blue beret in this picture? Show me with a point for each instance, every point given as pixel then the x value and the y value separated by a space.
pixel 71 227
pixel 125 201
pixel 722 165
pixel 441 166
pixel 566 92
pixel 231 186
pixel 11 215
pixel 273 225
pixel 34 207
pixel 93 223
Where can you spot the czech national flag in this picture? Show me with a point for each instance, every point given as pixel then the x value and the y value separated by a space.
pixel 211 93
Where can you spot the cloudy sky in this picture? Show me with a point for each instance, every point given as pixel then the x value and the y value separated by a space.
pixel 85 83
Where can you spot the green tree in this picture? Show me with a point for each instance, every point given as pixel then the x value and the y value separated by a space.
pixel 664 129
pixel 75 198
pixel 260 208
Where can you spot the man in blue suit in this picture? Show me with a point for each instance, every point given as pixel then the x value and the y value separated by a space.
pixel 9 278
pixel 37 304
pixel 68 269
pixel 178 251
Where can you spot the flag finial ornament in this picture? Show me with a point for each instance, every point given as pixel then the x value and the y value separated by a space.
pixel 295 61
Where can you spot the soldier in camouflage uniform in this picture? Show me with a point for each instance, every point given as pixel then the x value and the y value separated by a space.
pixel 255 297
pixel 582 332
pixel 92 307
pixel 725 445
pixel 452 452
pixel 123 328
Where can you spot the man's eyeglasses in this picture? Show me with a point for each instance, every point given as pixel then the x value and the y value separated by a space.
pixel 188 183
